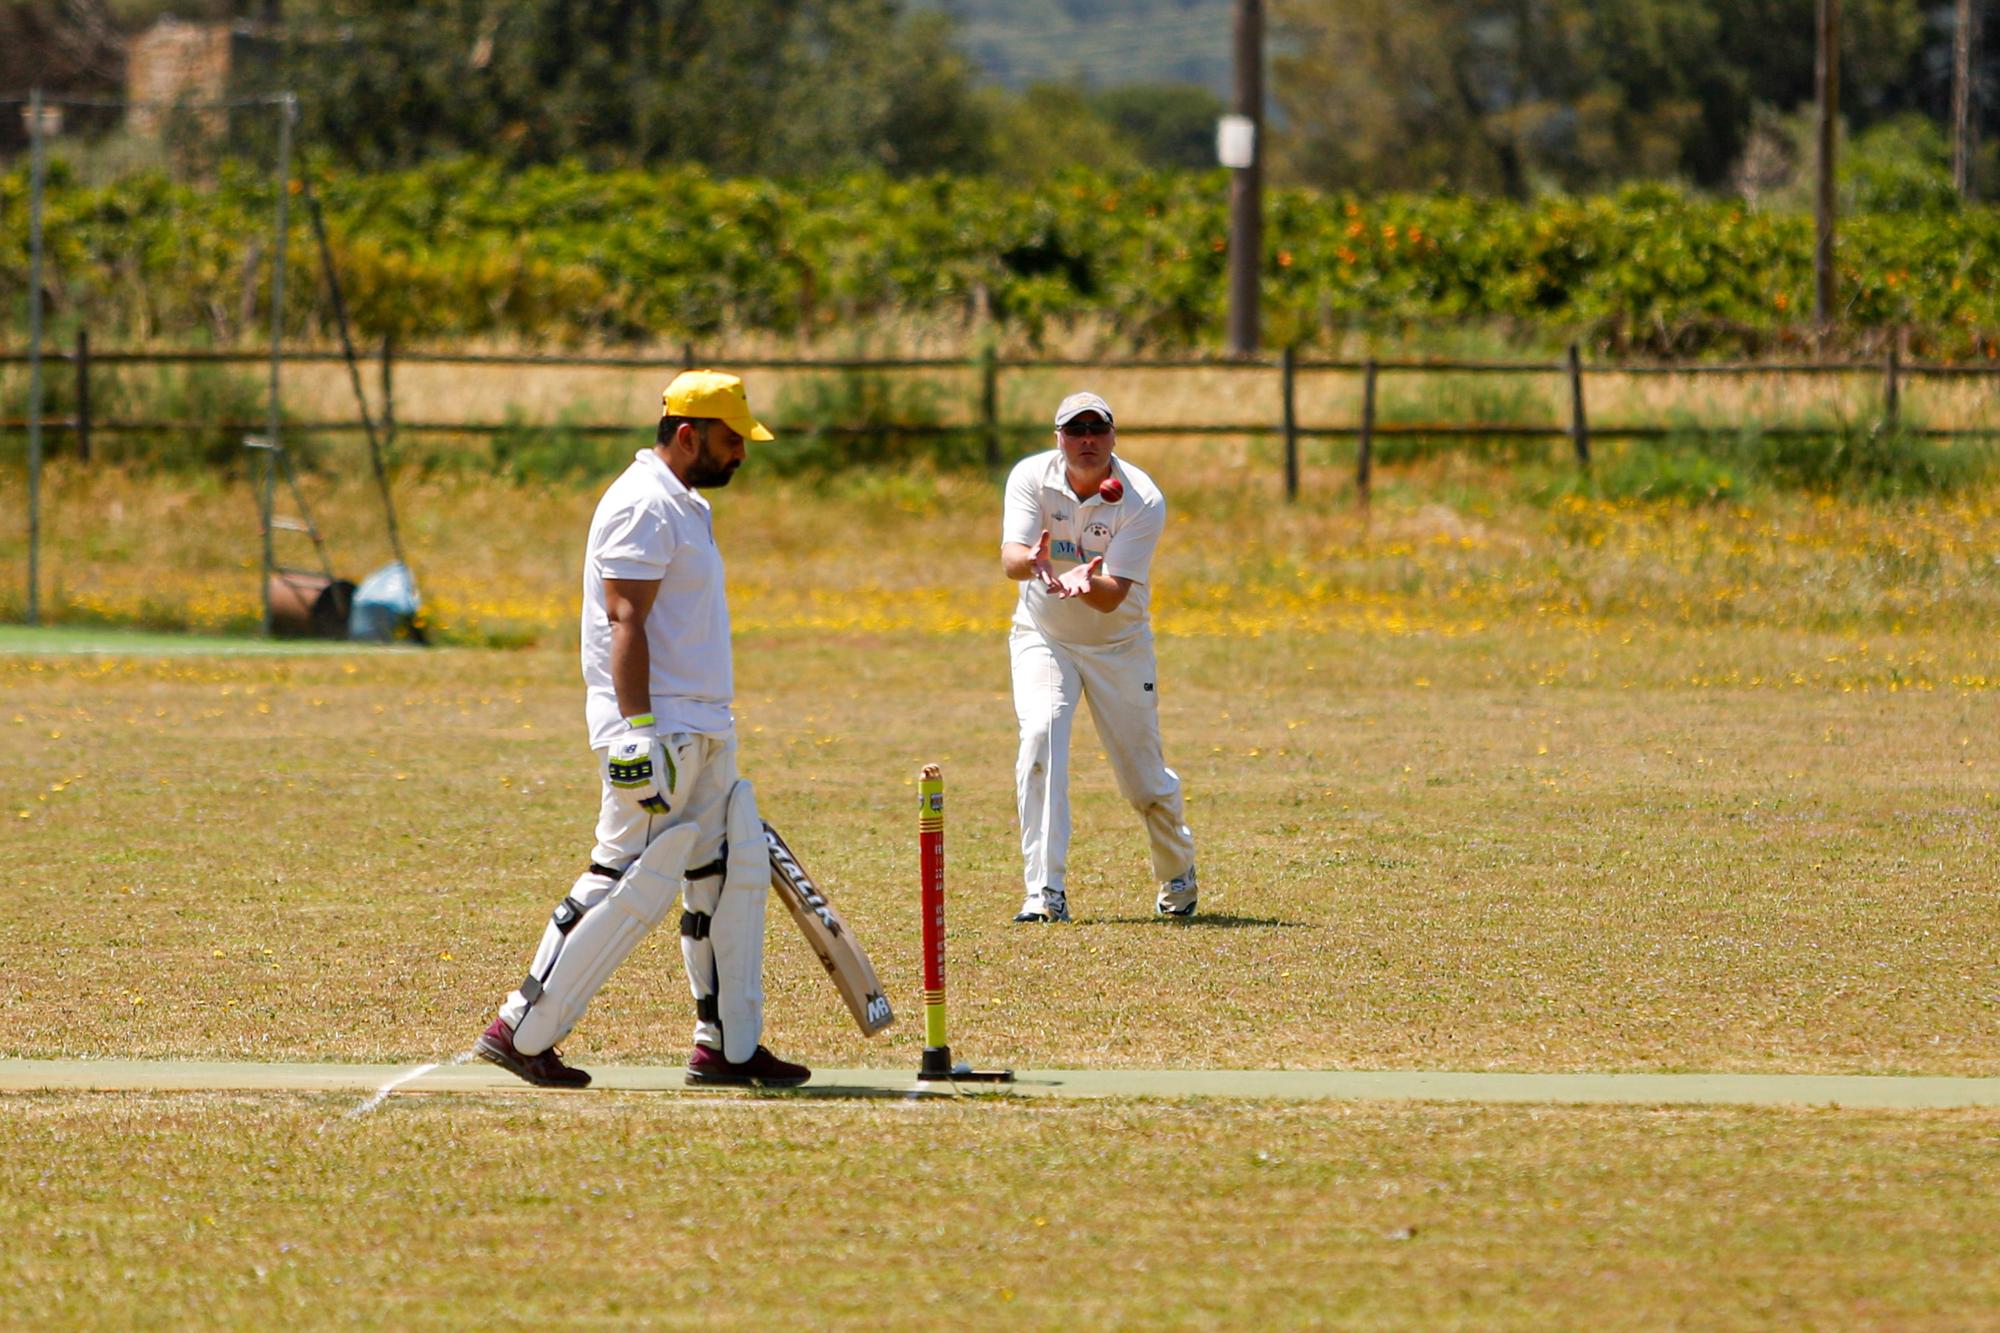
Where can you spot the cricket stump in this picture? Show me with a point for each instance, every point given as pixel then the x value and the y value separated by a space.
pixel 937 1063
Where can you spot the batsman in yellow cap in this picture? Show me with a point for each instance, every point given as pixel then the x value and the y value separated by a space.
pixel 658 695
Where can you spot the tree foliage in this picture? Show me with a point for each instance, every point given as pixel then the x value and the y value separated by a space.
pixel 67 47
pixel 1169 124
pixel 1516 96
pixel 473 249
pixel 777 87
pixel 1048 128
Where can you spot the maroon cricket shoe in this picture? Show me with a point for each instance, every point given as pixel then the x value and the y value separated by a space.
pixel 545 1070
pixel 761 1070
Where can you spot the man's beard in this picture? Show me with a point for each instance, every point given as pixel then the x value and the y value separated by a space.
pixel 707 475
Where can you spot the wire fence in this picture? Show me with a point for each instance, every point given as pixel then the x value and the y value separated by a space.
pixel 1572 375
pixel 185 138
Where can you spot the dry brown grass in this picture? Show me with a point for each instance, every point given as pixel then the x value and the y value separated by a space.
pixel 1250 397
pixel 1479 783
pixel 616 1212
pixel 1560 853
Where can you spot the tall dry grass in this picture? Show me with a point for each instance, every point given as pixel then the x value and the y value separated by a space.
pixel 1453 543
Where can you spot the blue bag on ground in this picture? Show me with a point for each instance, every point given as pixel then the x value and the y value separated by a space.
pixel 385 605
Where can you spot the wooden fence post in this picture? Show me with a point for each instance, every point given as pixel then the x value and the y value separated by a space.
pixel 83 394
pixel 989 406
pixel 1892 389
pixel 1365 449
pixel 1290 367
pixel 1579 425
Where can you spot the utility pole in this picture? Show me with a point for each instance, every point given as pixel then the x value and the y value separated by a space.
pixel 1828 79
pixel 1964 33
pixel 1246 180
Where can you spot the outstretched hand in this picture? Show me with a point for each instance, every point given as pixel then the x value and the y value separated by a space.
pixel 1076 582
pixel 1044 572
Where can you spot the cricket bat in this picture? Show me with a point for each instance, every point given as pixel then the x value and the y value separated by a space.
pixel 845 960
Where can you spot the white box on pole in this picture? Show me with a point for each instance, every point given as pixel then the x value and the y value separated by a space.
pixel 1236 141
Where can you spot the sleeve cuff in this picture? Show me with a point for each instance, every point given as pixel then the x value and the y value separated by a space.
pixel 639 570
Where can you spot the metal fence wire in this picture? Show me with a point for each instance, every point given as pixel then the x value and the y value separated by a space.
pixel 189 140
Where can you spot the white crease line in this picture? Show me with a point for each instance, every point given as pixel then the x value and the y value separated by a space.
pixel 381 1094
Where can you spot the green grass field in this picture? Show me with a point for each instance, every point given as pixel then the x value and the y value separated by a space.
pixel 1486 780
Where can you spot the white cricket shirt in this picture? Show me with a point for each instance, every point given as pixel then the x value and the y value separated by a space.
pixel 1038 497
pixel 649 526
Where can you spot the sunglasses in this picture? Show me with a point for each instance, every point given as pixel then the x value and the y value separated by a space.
pixel 1087 426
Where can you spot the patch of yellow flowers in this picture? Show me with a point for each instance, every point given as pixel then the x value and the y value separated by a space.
pixel 1581 564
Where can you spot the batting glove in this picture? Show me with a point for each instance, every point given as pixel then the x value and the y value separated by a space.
pixel 640 767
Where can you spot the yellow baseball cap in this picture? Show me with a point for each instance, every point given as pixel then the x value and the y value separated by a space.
pixel 712 395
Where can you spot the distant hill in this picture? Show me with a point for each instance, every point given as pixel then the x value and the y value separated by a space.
pixel 1096 43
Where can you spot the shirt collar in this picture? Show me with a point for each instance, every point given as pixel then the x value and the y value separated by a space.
pixel 1056 478
pixel 650 459
pixel 1052 475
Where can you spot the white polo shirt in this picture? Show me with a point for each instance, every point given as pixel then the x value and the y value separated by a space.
pixel 1038 497
pixel 649 526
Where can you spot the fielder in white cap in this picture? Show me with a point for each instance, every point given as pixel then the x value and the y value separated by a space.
pixel 1078 534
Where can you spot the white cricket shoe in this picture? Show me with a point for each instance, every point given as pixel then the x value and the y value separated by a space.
pixel 1177 895
pixel 1043 907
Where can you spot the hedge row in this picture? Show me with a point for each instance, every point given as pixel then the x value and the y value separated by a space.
pixel 564 254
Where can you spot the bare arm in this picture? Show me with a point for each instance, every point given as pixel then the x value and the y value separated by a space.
pixel 1021 561
pixel 1097 590
pixel 628 602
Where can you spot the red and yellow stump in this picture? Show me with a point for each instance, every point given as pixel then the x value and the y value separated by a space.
pixel 937 1063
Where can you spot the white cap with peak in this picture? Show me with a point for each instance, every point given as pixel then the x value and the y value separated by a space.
pixel 1077 404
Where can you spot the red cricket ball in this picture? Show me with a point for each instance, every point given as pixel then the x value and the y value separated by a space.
pixel 1111 489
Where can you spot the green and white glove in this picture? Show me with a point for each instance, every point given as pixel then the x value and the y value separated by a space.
pixel 640 766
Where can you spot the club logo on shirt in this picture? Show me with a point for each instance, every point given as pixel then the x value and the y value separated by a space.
pixel 1097 533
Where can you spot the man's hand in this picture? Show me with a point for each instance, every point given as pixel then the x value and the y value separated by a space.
pixel 1044 572
pixel 1030 563
pixel 1077 581
pixel 642 768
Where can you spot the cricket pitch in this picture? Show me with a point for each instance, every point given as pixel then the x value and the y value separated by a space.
pixel 1292 1085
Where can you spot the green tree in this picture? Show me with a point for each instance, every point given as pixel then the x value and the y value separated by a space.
pixel 769 86
pixel 1898 165
pixel 1382 94
pixel 64 49
pixel 1513 96
pixel 1170 124
pixel 1049 127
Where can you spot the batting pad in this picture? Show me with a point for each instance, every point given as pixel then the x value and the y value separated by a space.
pixel 725 954
pixel 598 943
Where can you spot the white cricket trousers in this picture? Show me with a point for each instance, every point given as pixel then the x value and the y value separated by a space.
pixel 704 771
pixel 1050 679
